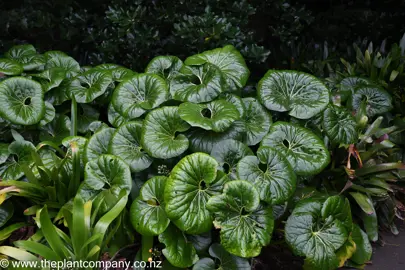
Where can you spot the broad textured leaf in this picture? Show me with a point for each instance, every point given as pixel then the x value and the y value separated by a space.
pixel 315 237
pixel 246 225
pixel 140 93
pixel 364 249
pixel 50 78
pixel 90 85
pixel 364 202
pixel 235 100
pixel 301 94
pixel 227 261
pixel 22 101
pixel 197 84
pixel 126 144
pixel 178 251
pixel 19 156
pixel 118 73
pixel 86 115
pixel 147 212
pixel 49 114
pixel 339 208
pixel 205 140
pixel 98 144
pixel 6 212
pixel 229 61
pixel 191 183
pixel 218 115
pixel 27 56
pixel 108 172
pixel 60 94
pixel 115 118
pixel 159 137
pixel 271 174
pixel 61 60
pixel 201 242
pixel 10 67
pixel 56 130
pixel 165 66
pixel 339 125
pixel 343 253
pixel 303 149
pixel 348 86
pixel 228 153
pixel 256 121
pixel 18 51
pixel 4 154
pixel 377 100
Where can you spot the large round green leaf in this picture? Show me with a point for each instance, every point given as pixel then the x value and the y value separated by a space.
pixel 339 125
pixel 115 118
pixel 246 225
pixel 19 51
pixel 27 56
pixel 178 250
pixel 90 85
pixel 61 60
pixel 56 130
pixel 191 183
pixel 159 136
pixel 147 212
pixel 348 86
pixel 256 121
pixel 229 61
pixel 49 114
pixel 227 261
pixel 98 144
pixel 126 144
pixel 228 153
pixel 19 155
pixel 271 174
pixel 60 94
pixel 140 93
pixel 165 66
pixel 377 100
pixel 317 231
pixel 117 72
pixel 86 115
pixel 301 94
pixel 50 78
pixel 22 101
pixel 218 115
pixel 197 84
pixel 10 67
pixel 235 100
pixel 303 149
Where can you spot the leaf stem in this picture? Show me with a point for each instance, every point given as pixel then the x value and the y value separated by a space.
pixel 147 245
pixel 73 120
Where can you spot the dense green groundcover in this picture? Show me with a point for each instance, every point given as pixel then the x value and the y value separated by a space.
pixel 182 164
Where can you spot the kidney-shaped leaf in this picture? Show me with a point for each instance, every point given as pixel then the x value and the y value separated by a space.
pixel 271 174
pixel 197 84
pixel 50 78
pixel 303 149
pixel 191 183
pixel 142 92
pixel 165 66
pixel 218 115
pixel 98 144
pixel 90 85
pixel 10 67
pixel 159 136
pixel 61 60
pixel 377 100
pixel 301 94
pixel 22 101
pixel 19 154
pixel 126 144
pixel 27 56
pixel 339 125
pixel 246 225
pixel 115 118
pixel 117 72
pixel 229 61
pixel 228 153
pixel 348 86
pixel 147 212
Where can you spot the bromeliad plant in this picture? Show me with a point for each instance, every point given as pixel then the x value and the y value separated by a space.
pixel 204 165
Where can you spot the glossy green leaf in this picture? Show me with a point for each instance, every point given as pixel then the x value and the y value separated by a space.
pixel 256 121
pixel 339 125
pixel 371 225
pixel 61 60
pixel 147 212
pixel 126 144
pixel 86 115
pixel 191 183
pixel 201 242
pixel 348 86
pixel 246 225
pixel 50 78
pixel 60 94
pixel 27 56
pixel 49 114
pixel 363 201
pixel 301 94
pixel 17 254
pixel 178 251
pixel 98 144
pixel 271 174
pixel 6 212
pixel 56 130
pixel 38 248
pixel 115 118
pixel 343 254
pixel 377 100
pixel 4 154
pixel 140 93
pixel 235 100
pixel 218 115
pixel 10 67
pixel 228 153
pixel 90 85
pixel 339 208
pixel 302 148
pixel 22 101
pixel 19 51
pixel 117 72
pixel 165 66
pixel 229 61
pixel 19 156
pixel 364 249
pixel 197 84
pixel 159 137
